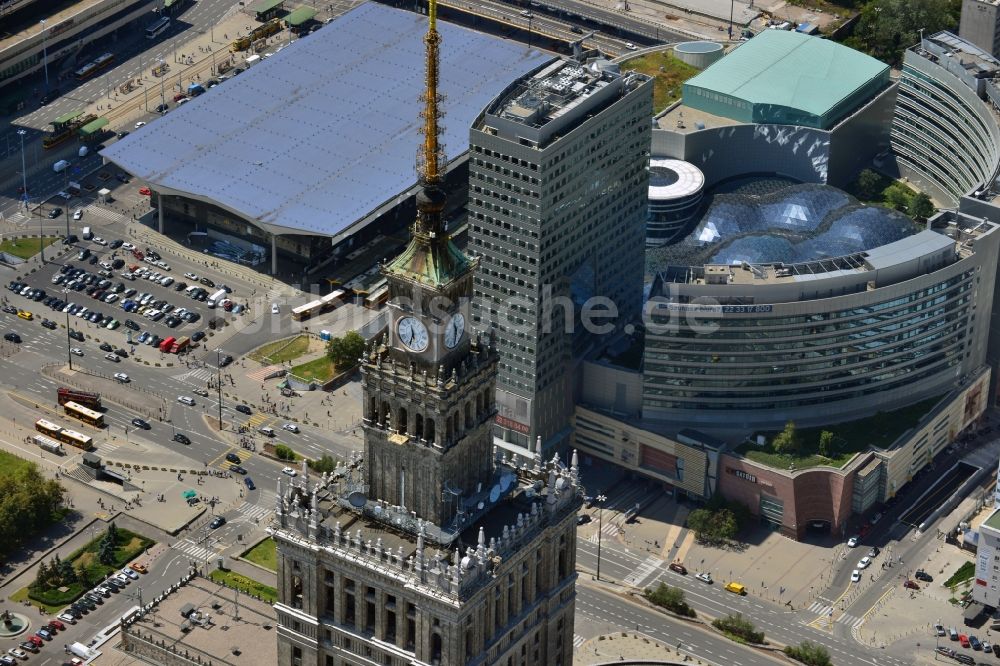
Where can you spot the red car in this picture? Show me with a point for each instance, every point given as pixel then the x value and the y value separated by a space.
pixel 911 585
pixel 57 624
pixel 678 567
pixel 37 640
pixel 145 191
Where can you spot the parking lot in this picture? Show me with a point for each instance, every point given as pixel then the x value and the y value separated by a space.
pixel 105 283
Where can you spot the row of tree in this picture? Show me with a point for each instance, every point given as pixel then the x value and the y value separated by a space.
pixel 886 28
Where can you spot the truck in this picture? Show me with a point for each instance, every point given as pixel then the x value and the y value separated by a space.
pixel 216 298
pixel 60 166
pixel 179 345
pixel 86 398
pixel 50 445
pixel 167 344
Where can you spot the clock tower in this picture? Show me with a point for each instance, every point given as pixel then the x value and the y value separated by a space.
pixel 429 383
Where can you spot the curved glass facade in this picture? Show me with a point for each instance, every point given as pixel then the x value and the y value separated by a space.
pixel 943 134
pixel 778 360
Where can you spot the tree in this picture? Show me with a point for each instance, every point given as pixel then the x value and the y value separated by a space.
pixel 738 626
pixel 825 443
pixel 869 184
pixel 921 206
pixel 106 551
pixel 671 598
pixel 112 534
pixel 787 441
pixel 809 653
pixel 28 503
pixel 346 350
pixel 325 464
pixel 887 28
pixel 713 526
pixel 897 197
pixel 284 453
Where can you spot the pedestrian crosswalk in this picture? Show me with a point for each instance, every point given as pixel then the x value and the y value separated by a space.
pixel 96 211
pixel 824 612
pixel 643 571
pixel 578 640
pixel 258 419
pixel 252 511
pixel 18 218
pixel 197 375
pixel 192 549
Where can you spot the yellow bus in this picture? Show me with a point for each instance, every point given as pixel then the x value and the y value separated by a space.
pixel 307 310
pixel 89 416
pixel 48 428
pixel 77 439
pixel 65 435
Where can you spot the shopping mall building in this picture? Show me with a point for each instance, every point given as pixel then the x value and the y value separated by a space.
pixel 788 300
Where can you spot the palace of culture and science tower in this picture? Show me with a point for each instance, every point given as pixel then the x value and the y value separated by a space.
pixel 428 548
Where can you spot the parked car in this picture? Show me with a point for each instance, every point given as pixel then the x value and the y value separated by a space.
pixel 910 584
pixel 924 576
pixel 853 542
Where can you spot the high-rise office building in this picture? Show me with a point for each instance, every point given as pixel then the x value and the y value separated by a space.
pixel 980 24
pixel 429 548
pixel 557 206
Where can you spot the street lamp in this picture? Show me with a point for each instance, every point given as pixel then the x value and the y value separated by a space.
pixel 45 55
pixel 218 381
pixel 600 499
pixel 69 354
pixel 24 173
pixel 163 99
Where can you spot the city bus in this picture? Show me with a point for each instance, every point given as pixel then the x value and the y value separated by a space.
pixel 95 66
pixel 85 398
pixel 307 310
pixel 84 414
pixel 333 299
pixel 71 437
pixel 157 27
pixel 74 438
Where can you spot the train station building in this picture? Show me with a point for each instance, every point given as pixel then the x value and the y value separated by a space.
pixel 307 155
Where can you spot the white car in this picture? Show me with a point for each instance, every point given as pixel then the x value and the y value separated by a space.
pixel 191 276
pixel 99 240
pixel 111 298
pixel 864 562
pixel 289 471
pixel 131 574
pixel 290 427
pixel 186 400
pixel 705 577
pixel 275 309
pixel 17 653
pixel 78 213
pixel 167 281
pixel 122 377
pixel 128 246
pixel 855 576
pixel 122 578
pixel 67 618
pixel 631 47
pixel 164 265
pixel 853 542
pixel 76 351
pixel 139 124
pixel 112 357
pixel 106 265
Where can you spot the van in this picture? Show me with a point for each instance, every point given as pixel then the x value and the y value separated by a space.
pixel 953 634
pixel 59 166
pixel 83 151
pixel 266 430
pixel 87 234
pixel 736 588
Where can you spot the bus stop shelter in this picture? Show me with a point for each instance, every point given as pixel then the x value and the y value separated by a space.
pixel 93 129
pixel 300 18
pixel 265 10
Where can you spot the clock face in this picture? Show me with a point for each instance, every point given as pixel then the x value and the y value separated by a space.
pixel 413 334
pixel 456 327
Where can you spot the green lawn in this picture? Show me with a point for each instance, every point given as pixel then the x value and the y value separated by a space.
pixel 963 573
pixel 319 370
pixel 281 350
pixel 25 247
pixel 668 74
pixel 244 584
pixel 878 431
pixel 11 465
pixel 264 554
pixel 49 609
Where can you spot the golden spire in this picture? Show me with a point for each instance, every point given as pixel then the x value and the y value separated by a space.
pixel 428 162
